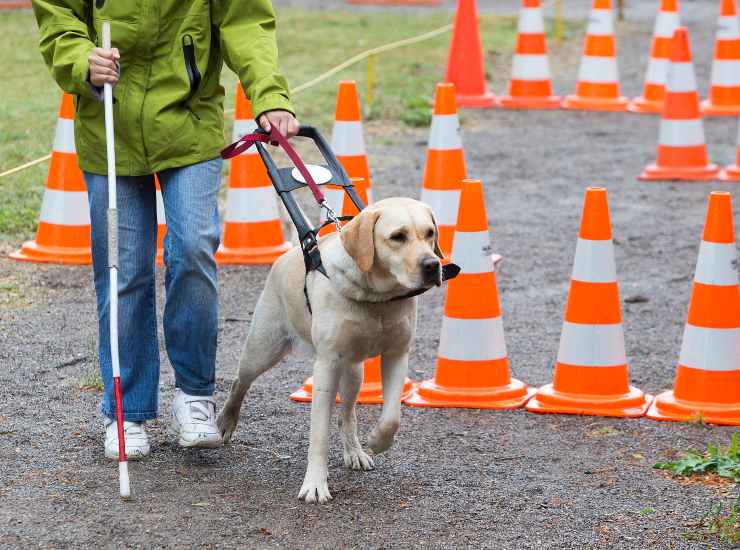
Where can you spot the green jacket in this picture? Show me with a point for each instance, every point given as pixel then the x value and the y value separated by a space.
pixel 168 102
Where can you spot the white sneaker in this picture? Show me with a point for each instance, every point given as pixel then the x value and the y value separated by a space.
pixel 194 418
pixel 137 442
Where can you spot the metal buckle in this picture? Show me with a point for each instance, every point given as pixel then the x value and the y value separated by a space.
pixel 332 216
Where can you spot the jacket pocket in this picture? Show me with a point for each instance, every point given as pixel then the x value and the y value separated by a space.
pixel 191 66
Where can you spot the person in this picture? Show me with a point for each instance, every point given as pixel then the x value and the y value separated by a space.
pixel 168 111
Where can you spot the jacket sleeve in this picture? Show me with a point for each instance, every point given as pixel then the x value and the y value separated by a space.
pixel 249 48
pixel 65 42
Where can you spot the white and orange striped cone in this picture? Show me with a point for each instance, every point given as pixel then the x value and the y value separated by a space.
pixel 653 94
pixel 445 165
pixel 724 89
pixel 707 382
pixel 591 375
pixel 598 77
pixel 682 149
pixel 472 362
pixel 253 232
pixel 63 234
pixel 732 172
pixel 530 86
pixel 161 223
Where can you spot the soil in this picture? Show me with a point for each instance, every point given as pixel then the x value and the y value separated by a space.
pixel 455 478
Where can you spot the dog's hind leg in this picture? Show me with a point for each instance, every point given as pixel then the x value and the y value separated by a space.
pixel 349 386
pixel 267 343
pixel 393 370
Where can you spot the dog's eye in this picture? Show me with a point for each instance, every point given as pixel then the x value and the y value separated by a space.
pixel 399 237
pixel 430 234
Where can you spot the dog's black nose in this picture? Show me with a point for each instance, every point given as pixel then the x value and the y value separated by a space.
pixel 431 270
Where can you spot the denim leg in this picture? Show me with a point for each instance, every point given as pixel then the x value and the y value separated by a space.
pixel 137 321
pixel 190 196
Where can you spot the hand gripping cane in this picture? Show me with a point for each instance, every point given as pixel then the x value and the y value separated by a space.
pixel 113 272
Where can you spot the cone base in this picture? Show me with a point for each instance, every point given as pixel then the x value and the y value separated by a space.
pixel 653 172
pixel 31 251
pixel 667 407
pixel 510 102
pixel 511 396
pixel 482 101
pixel 642 105
pixel 591 104
pixel 371 393
pixel 633 404
pixel 712 109
pixel 731 173
pixel 263 255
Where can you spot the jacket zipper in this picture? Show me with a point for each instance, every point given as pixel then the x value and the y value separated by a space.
pixel 188 51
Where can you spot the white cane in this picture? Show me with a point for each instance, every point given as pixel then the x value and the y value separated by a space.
pixel 113 272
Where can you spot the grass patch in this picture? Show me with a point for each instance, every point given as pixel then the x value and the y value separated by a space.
pixel 404 79
pixel 721 522
pixel 91 380
pixel 724 462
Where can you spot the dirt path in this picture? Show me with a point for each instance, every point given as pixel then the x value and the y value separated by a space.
pixel 455 478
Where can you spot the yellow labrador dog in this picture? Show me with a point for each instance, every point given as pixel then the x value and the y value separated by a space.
pixel 387 251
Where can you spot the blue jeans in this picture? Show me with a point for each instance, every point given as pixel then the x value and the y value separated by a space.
pixel 190 196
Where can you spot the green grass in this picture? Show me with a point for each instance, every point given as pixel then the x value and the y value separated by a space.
pixel 721 522
pixel 311 42
pixel 725 462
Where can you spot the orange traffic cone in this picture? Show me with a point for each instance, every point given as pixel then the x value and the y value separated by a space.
pixel 708 373
pixel 598 78
pixel 724 91
pixel 161 223
pixel 530 86
pixel 445 165
pixel 653 95
pixel 465 61
pixel 732 173
pixel 472 363
pixel 252 229
pixel 682 150
pixel 63 234
pixel 591 370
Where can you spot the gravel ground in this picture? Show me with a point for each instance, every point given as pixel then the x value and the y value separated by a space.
pixel 456 478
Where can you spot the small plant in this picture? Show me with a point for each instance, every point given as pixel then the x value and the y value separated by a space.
pixel 647 511
pixel 718 460
pixel 417 111
pixel 719 523
pixel 91 380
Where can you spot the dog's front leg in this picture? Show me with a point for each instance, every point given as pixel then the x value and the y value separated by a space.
pixel 393 370
pixel 349 386
pixel 315 486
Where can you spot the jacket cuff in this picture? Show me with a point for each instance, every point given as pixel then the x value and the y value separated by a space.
pixel 271 102
pixel 81 76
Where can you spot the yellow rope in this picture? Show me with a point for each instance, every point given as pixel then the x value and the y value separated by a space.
pixel 306 85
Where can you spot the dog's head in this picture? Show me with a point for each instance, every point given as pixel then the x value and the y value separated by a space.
pixel 396 239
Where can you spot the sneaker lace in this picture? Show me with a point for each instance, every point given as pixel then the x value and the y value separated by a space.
pixel 202 409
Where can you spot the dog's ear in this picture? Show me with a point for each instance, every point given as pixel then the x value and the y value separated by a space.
pixel 437 249
pixel 358 240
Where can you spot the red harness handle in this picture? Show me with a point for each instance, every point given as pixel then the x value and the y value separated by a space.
pixel 246 141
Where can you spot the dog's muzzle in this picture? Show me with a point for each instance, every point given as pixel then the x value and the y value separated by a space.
pixel 431 271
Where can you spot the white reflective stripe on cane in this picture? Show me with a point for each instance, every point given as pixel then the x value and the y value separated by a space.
pixel 598 69
pixel 714 349
pixel 472 339
pixel 681 77
pixel 444 204
pixel 681 133
pixel 530 21
pixel 594 262
pixel 725 72
pixel 657 71
pixel 65 208
pixel 592 345
pixel 251 204
pixel 64 136
pixel 472 252
pixel 666 23
pixel 444 134
pixel 600 23
pixel 715 265
pixel 161 219
pixel 728 28
pixel 347 139
pixel 530 67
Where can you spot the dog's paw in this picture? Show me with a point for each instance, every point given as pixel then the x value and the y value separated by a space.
pixel 381 438
pixel 315 489
pixel 226 425
pixel 357 459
